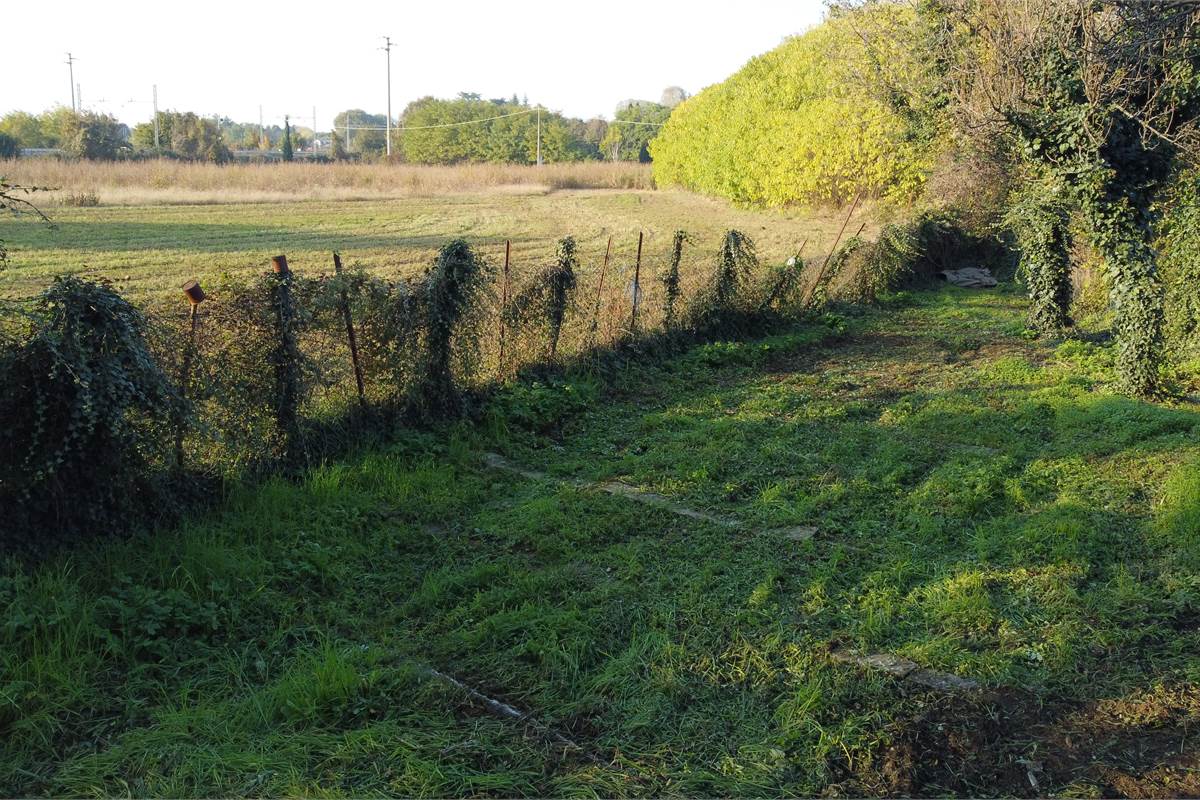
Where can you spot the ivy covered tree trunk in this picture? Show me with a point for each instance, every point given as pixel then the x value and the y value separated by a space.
pixel 1040 221
pixel 1121 231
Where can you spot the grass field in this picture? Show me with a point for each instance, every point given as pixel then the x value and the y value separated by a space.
pixel 149 251
pixel 982 505
pixel 166 182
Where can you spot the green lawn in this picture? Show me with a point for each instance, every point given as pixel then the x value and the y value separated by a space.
pixel 149 251
pixel 984 506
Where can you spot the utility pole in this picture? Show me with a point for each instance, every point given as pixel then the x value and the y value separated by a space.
pixel 157 148
pixel 539 136
pixel 260 127
pixel 71 67
pixel 388 49
pixel 314 141
pixel 79 97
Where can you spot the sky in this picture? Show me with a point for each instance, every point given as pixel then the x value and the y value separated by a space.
pixel 228 58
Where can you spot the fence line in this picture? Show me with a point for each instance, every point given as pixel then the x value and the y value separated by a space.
pixel 286 369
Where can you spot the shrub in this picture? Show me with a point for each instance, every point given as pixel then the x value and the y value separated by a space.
pixel 670 280
pixel 723 300
pixel 85 409
pixel 9 146
pixel 905 254
pixel 800 124
pixel 83 199
pixel 545 302
pixel 1040 220
pixel 451 292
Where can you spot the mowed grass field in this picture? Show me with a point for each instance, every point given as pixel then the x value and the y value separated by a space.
pixel 973 501
pixel 149 251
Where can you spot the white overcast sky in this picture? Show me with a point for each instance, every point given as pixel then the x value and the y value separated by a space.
pixel 217 56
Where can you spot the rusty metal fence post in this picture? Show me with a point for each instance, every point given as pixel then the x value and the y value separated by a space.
pixel 599 292
pixel 195 296
pixel 503 305
pixel 637 286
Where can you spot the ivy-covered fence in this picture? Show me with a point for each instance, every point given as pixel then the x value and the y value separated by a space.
pixel 117 416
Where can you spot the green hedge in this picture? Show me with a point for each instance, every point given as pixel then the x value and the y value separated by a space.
pixel 800 124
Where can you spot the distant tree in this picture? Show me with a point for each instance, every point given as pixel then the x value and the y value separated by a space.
pixel 142 137
pixel 9 146
pixel 197 138
pixel 286 147
pixel 96 137
pixel 337 149
pixel 369 142
pixel 58 124
pixel 628 137
pixel 26 128
pixel 503 133
pixel 673 96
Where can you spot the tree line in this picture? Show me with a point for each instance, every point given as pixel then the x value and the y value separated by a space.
pixel 467 128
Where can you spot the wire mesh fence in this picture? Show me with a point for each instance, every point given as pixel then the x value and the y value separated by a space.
pixel 292 366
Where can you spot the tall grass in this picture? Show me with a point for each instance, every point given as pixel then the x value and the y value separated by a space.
pixel 164 181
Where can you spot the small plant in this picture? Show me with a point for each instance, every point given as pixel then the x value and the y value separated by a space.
pixel 722 298
pixel 670 280
pixel 83 199
pixel 545 302
pixel 784 285
pixel 451 294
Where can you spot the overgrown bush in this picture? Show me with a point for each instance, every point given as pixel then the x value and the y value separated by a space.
pixel 452 290
pixel 905 254
pixel 1040 220
pixel 724 300
pixel 544 303
pixel 86 411
pixel 670 280
pixel 799 124
pixel 784 285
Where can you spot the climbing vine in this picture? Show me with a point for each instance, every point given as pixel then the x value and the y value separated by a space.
pixel 670 280
pixel 545 302
pixel 1039 220
pixel 719 302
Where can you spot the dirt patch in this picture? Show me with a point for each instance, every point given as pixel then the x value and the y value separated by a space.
pixel 1008 742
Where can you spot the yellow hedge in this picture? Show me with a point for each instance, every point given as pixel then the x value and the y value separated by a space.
pixel 800 124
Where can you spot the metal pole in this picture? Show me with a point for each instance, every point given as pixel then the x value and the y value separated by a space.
pixel 195 296
pixel 314 141
pixel 157 146
pixel 637 285
pixel 345 303
pixel 71 69
pixel 504 300
pixel 388 50
pixel 539 136
pixel 600 288
pixel 260 127
pixel 825 263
